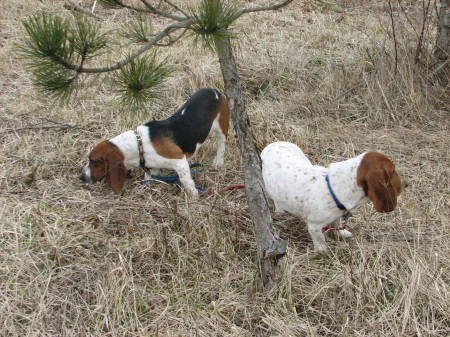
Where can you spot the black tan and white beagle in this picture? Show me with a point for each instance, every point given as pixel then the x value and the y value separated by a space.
pixel 163 144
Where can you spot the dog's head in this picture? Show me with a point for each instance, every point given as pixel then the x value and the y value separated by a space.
pixel 381 183
pixel 106 160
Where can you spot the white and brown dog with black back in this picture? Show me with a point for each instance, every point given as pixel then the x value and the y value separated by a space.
pixel 321 195
pixel 163 144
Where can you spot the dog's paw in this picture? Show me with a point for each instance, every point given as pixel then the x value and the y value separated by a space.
pixel 153 171
pixel 320 248
pixel 278 209
pixel 193 193
pixel 345 233
pixel 217 162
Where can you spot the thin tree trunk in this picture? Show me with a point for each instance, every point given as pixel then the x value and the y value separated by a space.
pixel 270 246
pixel 442 48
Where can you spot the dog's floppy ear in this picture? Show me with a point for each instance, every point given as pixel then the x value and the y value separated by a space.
pixel 116 171
pixel 377 176
pixel 380 191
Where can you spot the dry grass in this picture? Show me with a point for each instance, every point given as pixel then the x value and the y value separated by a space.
pixel 78 261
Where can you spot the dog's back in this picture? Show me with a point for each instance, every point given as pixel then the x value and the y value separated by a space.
pixel 192 123
pixel 282 153
pixel 290 178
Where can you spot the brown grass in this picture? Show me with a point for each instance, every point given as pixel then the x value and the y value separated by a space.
pixel 79 261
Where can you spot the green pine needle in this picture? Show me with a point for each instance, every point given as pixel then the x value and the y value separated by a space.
pixel 50 38
pixel 138 31
pixel 59 85
pixel 55 50
pixel 87 37
pixel 49 54
pixel 211 21
pixel 139 81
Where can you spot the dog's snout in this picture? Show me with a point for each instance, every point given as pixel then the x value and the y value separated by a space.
pixel 405 184
pixel 82 176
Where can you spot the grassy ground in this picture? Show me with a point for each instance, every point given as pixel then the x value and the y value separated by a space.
pixel 76 260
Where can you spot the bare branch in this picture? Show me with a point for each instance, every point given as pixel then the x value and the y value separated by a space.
pixel 176 7
pixel 326 106
pixel 241 12
pixel 172 41
pixel 165 14
pixel 137 9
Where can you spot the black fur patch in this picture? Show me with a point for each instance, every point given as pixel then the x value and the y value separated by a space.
pixel 191 124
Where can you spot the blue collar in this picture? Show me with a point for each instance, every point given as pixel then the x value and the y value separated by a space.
pixel 338 203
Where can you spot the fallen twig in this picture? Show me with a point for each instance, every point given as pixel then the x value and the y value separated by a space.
pixel 360 84
pixel 34 127
pixel 75 7
pixel 385 99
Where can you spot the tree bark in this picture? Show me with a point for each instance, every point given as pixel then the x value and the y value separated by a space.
pixel 270 246
pixel 442 48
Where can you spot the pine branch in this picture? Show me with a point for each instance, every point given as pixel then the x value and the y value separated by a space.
pixel 211 20
pixel 138 80
pixel 243 11
pixel 152 42
pixel 59 51
pixel 139 31
pixel 165 14
pixel 176 7
pixel 118 4
pixel 172 40
pixel 184 22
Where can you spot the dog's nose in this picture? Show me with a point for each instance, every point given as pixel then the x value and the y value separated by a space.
pixel 82 177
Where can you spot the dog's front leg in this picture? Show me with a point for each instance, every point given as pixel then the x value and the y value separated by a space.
pixel 183 170
pixel 317 236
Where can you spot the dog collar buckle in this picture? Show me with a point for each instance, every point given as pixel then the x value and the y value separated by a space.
pixel 140 149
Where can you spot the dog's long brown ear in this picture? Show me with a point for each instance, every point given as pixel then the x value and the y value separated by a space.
pixel 377 176
pixel 380 191
pixel 116 172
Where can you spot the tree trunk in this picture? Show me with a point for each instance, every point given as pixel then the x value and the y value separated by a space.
pixel 442 48
pixel 270 246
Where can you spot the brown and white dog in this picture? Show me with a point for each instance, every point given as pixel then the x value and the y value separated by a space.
pixel 163 144
pixel 321 195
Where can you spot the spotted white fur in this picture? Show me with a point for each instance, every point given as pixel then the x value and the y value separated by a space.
pixel 299 188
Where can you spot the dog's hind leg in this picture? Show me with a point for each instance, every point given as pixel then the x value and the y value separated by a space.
pixel 221 141
pixel 278 209
pixel 220 128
